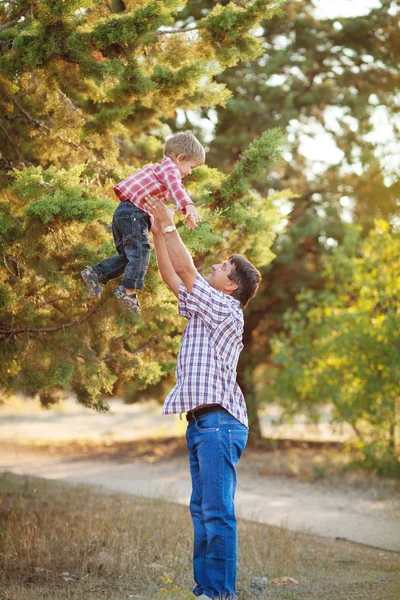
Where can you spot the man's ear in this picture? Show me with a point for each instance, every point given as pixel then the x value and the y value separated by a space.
pixel 232 286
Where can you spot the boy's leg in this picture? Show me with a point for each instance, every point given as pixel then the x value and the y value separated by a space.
pixel 130 229
pixel 114 266
pixel 137 249
pixel 134 225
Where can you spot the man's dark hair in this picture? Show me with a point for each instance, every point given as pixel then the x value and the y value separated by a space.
pixel 246 276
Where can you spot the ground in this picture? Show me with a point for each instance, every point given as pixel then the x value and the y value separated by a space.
pixel 297 503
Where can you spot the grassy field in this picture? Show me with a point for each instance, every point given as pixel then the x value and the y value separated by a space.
pixel 64 542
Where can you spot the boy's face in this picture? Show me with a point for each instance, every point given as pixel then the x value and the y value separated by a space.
pixel 185 165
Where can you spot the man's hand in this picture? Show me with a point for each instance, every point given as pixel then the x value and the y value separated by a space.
pixel 192 217
pixel 160 215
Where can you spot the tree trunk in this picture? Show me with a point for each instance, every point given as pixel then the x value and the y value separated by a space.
pixel 245 381
pixel 392 437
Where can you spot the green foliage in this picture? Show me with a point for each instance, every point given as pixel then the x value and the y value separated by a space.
pixel 87 97
pixel 227 27
pixel 261 153
pixel 343 343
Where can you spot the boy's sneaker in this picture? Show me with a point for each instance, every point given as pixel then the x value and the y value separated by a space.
pixel 91 279
pixel 129 300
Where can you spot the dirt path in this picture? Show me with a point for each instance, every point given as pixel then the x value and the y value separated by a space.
pixel 366 513
pixel 359 515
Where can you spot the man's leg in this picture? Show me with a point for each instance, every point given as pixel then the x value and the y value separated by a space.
pixel 200 534
pixel 217 441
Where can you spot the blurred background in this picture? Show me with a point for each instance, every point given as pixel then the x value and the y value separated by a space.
pixel 297 104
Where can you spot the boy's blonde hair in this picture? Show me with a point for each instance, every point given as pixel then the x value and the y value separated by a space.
pixel 184 142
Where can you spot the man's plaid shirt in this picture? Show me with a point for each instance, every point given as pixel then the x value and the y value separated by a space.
pixel 209 352
pixel 162 180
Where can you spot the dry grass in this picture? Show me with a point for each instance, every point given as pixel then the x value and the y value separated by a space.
pixel 64 542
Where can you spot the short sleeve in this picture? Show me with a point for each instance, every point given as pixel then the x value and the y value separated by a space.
pixel 182 299
pixel 210 305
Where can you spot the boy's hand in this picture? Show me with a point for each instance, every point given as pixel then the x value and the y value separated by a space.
pixel 192 217
pixel 155 225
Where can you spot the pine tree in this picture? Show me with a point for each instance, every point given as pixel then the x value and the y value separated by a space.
pixel 86 93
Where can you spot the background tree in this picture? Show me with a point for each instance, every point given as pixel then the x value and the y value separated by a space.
pixel 86 91
pixel 343 344
pixel 332 78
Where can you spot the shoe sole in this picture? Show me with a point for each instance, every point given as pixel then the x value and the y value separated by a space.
pixel 130 303
pixel 92 284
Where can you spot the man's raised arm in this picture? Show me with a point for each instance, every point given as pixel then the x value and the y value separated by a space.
pixel 164 264
pixel 173 258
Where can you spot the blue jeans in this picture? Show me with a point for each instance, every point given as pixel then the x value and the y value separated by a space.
pixel 130 228
pixel 216 441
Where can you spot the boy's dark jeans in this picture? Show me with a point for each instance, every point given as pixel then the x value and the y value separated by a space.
pixel 130 227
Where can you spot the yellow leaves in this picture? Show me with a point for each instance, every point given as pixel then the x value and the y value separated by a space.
pixel 378 320
pixel 7 90
pixel 174 50
pixel 286 194
pixel 381 227
pixel 14 368
pixel 132 5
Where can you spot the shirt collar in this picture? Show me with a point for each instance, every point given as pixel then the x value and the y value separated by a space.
pixel 168 162
pixel 234 301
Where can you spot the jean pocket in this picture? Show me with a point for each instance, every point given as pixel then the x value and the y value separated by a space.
pixel 140 225
pixel 237 442
pixel 207 423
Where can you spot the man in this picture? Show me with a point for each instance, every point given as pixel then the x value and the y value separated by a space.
pixel 207 391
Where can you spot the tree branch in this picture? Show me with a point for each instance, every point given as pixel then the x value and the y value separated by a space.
pixel 13 332
pixel 173 31
pixel 52 300
pixel 40 124
pixel 112 358
pixel 18 222
pixel 12 143
pixel 67 100
pixel 9 24
pixel 5 258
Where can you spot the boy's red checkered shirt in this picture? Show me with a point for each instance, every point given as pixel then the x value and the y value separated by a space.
pixel 162 180
pixel 209 352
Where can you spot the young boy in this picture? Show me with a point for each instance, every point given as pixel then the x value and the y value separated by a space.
pixel 131 222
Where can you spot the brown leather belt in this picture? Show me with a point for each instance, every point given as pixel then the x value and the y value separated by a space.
pixel 196 413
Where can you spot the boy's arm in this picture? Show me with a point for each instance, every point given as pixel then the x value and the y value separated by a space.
pixel 175 187
pixel 173 184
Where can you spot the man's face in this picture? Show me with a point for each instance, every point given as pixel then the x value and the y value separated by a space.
pixel 218 278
